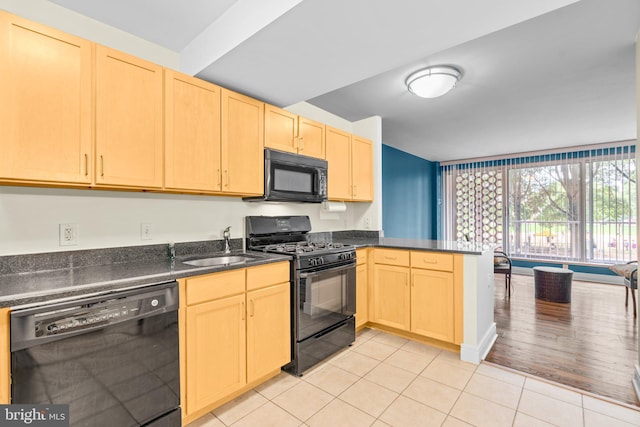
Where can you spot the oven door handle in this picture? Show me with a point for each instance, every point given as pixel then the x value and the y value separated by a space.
pixel 328 270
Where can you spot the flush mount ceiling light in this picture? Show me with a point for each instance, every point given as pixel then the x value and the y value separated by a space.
pixel 433 82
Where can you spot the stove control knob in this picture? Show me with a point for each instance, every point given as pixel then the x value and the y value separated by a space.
pixel 345 256
pixel 316 261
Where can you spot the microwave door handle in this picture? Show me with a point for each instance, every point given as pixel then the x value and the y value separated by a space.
pixel 316 182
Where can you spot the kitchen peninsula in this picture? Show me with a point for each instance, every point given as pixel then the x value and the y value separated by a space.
pixel 433 290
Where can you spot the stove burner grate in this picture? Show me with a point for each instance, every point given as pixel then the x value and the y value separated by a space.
pixel 302 247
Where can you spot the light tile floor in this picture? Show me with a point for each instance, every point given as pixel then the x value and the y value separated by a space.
pixel 385 380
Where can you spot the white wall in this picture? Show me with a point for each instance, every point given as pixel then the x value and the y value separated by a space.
pixel 71 22
pixel 478 302
pixel 30 217
pixel 369 215
pixel 366 216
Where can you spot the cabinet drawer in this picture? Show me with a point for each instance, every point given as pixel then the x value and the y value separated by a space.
pixel 266 275
pixel 361 256
pixel 392 257
pixel 214 286
pixel 432 260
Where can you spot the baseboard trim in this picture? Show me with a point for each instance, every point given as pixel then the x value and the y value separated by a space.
pixel 477 353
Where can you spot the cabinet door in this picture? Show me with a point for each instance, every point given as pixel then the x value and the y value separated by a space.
pixel 362 169
pixel 391 296
pixel 268 330
pixel 311 138
pixel 432 307
pixel 280 129
pixel 192 133
pixel 338 155
pixel 128 120
pixel 242 144
pixel 362 305
pixel 216 350
pixel 45 106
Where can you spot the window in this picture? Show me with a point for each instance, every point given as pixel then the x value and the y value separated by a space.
pixel 578 206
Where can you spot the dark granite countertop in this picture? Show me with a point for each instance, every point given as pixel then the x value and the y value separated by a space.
pixel 32 287
pixel 467 248
pixel 38 278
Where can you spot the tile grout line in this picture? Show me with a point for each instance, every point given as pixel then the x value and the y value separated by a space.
pixel 566 387
pixel 442 359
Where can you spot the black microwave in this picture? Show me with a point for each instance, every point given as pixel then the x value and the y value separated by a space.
pixel 293 178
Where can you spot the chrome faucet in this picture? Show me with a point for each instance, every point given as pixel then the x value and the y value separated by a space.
pixel 227 234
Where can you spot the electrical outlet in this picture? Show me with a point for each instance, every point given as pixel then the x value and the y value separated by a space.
pixel 367 223
pixel 68 234
pixel 146 231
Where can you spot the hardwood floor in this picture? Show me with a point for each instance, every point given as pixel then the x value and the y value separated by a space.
pixel 590 344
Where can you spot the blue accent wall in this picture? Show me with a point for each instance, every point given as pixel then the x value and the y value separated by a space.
pixel 411 195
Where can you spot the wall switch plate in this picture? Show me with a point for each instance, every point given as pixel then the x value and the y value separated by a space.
pixel 146 231
pixel 68 234
pixel 367 223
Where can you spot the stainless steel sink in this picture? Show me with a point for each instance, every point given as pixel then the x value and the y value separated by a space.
pixel 219 260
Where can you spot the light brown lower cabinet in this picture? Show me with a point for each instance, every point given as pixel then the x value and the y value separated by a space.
pixel 391 296
pixel 268 348
pixel 216 350
pixel 418 292
pixel 234 334
pixel 432 304
pixel 362 292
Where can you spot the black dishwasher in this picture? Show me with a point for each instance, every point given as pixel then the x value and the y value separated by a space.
pixel 113 359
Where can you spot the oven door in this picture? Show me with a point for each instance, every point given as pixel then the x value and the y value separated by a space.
pixel 326 297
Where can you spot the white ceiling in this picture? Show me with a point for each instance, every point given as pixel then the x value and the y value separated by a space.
pixel 536 75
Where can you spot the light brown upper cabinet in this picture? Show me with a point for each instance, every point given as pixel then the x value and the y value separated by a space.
pixel 338 145
pixel 280 129
pixel 45 104
pixel 311 138
pixel 289 132
pixel 361 169
pixel 242 144
pixel 128 120
pixel 350 166
pixel 192 134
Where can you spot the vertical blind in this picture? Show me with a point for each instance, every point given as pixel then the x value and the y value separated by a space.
pixel 575 205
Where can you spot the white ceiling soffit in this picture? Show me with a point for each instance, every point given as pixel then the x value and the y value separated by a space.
pixel 321 45
pixel 563 79
pixel 169 23
pixel 241 21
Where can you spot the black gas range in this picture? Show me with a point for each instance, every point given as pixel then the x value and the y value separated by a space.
pixel 314 254
pixel 323 282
